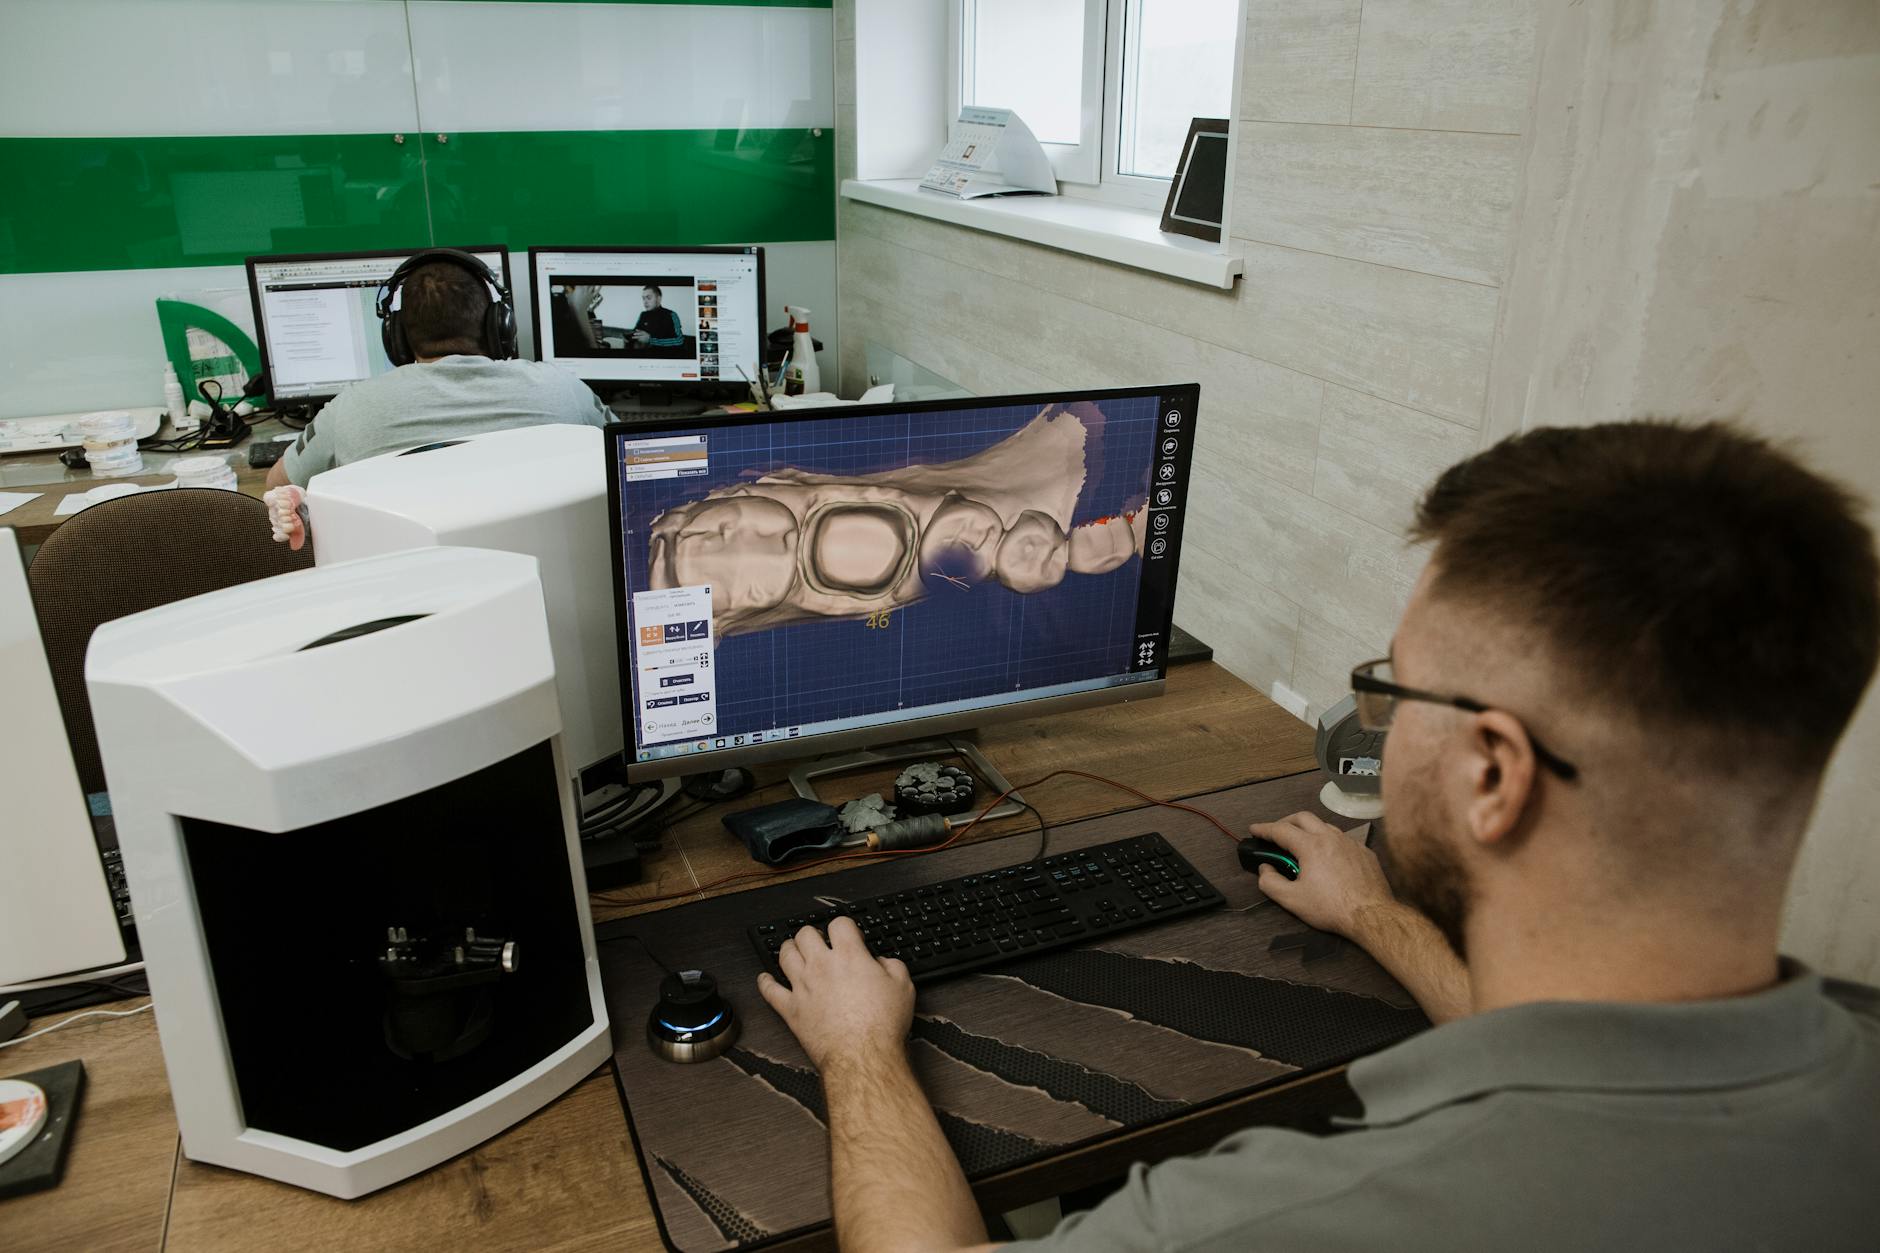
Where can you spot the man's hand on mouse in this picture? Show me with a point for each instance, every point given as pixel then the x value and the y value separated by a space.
pixel 1339 878
pixel 842 1002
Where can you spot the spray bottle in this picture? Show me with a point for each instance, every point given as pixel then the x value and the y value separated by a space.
pixel 804 374
pixel 173 402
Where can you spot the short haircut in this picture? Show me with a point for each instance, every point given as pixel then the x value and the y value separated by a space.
pixel 655 290
pixel 1692 576
pixel 443 306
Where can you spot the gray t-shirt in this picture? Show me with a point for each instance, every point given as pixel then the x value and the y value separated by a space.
pixel 1750 1123
pixel 443 399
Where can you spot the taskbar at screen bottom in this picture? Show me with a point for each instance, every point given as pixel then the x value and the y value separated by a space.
pixel 908 718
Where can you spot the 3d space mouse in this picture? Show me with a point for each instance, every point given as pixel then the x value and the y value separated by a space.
pixel 690 1022
pixel 1257 853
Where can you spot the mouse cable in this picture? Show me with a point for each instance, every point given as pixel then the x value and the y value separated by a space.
pixel 1044 830
pixel 90 1013
pixel 959 833
pixel 647 949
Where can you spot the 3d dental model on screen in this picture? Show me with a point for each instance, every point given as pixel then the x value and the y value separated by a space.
pixel 794 545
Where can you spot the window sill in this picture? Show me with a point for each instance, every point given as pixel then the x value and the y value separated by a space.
pixel 1107 232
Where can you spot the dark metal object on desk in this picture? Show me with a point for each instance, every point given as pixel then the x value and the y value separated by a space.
pixel 690 1022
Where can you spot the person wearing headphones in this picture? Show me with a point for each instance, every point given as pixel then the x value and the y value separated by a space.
pixel 453 341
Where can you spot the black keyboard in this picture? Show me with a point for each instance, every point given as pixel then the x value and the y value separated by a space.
pixel 978 920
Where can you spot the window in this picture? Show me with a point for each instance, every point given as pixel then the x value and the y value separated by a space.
pixel 1108 86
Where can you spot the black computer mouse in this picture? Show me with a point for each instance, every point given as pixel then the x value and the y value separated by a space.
pixel 690 1022
pixel 1257 853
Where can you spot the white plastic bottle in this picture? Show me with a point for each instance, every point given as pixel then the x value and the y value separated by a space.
pixel 805 375
pixel 180 420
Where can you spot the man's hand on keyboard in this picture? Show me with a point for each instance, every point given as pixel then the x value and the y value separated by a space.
pixel 842 1003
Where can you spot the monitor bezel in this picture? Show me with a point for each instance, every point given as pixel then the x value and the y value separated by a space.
pixel 1188 396
pixel 261 326
pixel 680 386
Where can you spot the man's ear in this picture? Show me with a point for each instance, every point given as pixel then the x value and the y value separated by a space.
pixel 1501 776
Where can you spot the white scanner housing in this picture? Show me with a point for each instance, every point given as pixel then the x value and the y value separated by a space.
pixel 540 490
pixel 340 794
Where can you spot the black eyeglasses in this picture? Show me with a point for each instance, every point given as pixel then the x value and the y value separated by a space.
pixel 1378 695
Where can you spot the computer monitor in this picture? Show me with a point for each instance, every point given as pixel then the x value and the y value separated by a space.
pixel 316 316
pixel 668 317
pixel 793 583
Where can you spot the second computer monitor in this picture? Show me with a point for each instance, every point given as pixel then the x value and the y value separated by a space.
pixel 680 317
pixel 799 582
pixel 316 316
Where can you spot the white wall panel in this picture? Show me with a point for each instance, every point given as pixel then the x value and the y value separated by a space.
pixel 203 67
pixel 71 342
pixel 523 67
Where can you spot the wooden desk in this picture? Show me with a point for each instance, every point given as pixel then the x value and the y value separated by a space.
pixel 44 473
pixel 567 1177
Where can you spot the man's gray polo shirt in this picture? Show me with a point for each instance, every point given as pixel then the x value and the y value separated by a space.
pixel 450 398
pixel 1750 1123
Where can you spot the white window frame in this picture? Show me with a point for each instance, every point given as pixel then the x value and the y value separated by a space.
pixel 1117 187
pixel 1078 163
pixel 1089 169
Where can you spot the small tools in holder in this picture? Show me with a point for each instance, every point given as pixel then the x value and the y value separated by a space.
pixel 438 1002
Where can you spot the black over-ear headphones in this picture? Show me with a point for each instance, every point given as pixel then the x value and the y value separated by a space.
pixel 499 323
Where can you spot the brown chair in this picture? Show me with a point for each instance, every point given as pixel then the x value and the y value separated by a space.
pixel 123 556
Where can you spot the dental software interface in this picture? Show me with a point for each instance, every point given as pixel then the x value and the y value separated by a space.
pixel 785 577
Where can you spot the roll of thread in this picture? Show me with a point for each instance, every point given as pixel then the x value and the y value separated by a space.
pixel 111 444
pixel 204 472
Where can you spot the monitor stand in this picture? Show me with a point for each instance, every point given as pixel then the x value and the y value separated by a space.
pixel 661 400
pixel 803 777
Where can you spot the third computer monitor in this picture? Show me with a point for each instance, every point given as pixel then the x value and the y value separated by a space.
pixel 797 582
pixel 679 317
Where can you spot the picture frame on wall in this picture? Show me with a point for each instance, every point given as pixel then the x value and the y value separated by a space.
pixel 1198 194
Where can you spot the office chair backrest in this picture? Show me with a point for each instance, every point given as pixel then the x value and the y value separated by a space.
pixel 134 553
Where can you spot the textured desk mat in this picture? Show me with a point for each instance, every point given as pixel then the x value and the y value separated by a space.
pixel 1043 1054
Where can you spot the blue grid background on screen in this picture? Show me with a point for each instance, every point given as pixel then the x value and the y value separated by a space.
pixel 982 642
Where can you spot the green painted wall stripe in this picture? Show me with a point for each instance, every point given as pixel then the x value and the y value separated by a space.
pixel 144 203
pixel 133 203
pixel 634 187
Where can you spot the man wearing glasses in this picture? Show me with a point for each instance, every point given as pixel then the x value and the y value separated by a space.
pixel 1611 699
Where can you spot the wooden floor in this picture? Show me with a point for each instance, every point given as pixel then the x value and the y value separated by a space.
pixel 567 1177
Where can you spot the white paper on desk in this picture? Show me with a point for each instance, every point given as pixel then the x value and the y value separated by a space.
pixel 13 500
pixel 71 504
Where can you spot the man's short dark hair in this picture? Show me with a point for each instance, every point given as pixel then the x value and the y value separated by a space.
pixel 655 290
pixel 1692 575
pixel 443 307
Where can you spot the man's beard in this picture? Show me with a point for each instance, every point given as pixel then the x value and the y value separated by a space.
pixel 1425 870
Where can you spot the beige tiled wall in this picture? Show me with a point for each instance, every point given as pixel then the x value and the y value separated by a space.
pixel 1700 236
pixel 1378 169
